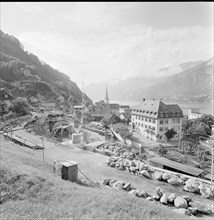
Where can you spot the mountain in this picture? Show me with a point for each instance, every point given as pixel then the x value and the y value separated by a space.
pixel 194 84
pixel 172 70
pixel 24 74
pixel 190 81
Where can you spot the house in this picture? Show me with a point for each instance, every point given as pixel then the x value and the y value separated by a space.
pixel 6 97
pixel 153 118
pixel 123 108
pixel 114 108
pixel 194 113
pixel 125 116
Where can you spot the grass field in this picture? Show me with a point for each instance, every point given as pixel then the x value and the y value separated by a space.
pixel 30 190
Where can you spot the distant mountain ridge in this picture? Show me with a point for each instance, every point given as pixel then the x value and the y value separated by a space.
pixel 193 83
pixel 24 73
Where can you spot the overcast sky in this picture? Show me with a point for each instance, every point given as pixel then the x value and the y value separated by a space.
pixel 95 42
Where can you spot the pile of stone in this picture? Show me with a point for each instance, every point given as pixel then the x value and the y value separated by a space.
pixel 134 166
pixel 189 184
pixel 184 203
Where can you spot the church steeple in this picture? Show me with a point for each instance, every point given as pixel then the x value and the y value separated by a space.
pixel 107 98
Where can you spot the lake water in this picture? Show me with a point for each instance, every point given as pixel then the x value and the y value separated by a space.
pixel 204 108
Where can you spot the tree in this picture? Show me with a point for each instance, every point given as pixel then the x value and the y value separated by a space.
pixel 20 107
pixel 197 128
pixel 110 119
pixel 170 133
pixel 122 130
pixel 3 108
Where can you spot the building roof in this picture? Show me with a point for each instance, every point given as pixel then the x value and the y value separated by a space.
pixel 126 115
pixel 114 106
pixel 158 109
pixel 4 96
pixel 124 106
pixel 178 166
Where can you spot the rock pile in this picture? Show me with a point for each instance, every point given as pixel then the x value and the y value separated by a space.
pixel 133 166
pixel 189 184
pixel 183 203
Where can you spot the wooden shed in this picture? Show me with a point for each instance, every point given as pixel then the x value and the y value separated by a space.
pixel 167 164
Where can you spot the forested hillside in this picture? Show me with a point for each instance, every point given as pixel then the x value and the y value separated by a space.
pixel 18 66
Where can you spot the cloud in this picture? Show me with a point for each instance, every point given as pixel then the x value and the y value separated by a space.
pixel 30 7
pixel 120 53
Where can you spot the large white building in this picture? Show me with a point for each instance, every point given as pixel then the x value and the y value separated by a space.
pixel 194 113
pixel 153 118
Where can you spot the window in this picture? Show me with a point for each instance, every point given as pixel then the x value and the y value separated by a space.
pixel 150 120
pixel 153 121
pixel 145 126
pixel 178 120
pixel 145 119
pixel 165 128
pixel 161 129
pixel 161 115
pixel 153 128
pixel 173 121
pixel 149 127
pixel 166 121
pixel 161 122
pixel 142 125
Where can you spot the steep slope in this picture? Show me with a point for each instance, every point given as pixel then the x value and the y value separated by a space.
pixel 18 65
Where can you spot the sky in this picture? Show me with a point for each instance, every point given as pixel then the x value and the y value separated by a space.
pixel 101 41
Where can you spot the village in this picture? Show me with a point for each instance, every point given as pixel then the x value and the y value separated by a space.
pixel 147 141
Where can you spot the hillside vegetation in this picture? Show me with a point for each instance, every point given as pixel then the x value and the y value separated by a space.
pixel 30 190
pixel 18 65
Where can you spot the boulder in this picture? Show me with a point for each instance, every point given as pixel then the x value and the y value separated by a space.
pixel 159 191
pixel 165 176
pixel 175 181
pixel 206 192
pixel 172 197
pixel 105 181
pixel 143 194
pixel 112 164
pixel 111 183
pixel 127 186
pixel 150 169
pixel 191 185
pixel 121 168
pixel 114 159
pixel 187 198
pixel 109 160
pixel 158 175
pixel 134 192
pixel 118 185
pixel 132 169
pixel 183 211
pixel 141 166
pixel 201 208
pixel 132 163
pixel 164 199
pixel 145 173
pixel 149 198
pixel 180 202
pixel 126 163
pixel 193 211
pixel 184 178
pixel 155 196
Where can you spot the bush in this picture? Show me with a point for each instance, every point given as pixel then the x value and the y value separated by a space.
pixel 20 107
